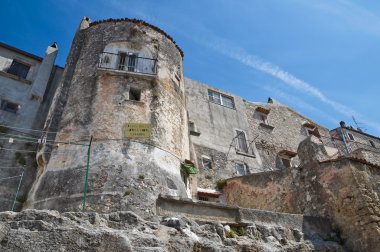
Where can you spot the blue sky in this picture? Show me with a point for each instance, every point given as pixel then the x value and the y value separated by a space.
pixel 320 57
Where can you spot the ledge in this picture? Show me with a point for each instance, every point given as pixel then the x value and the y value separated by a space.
pixel 195 133
pixel 15 77
pixel 266 126
pixel 122 72
pixel 246 154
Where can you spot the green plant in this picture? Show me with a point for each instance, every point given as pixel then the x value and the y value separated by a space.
pixel 156 95
pixel 141 176
pixel 3 129
pixel 20 159
pixel 220 183
pixel 21 198
pixel 231 234
pixel 128 192
pixel 241 231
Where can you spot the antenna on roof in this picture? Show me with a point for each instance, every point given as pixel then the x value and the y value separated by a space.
pixel 357 125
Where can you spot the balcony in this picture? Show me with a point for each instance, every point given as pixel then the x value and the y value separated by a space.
pixel 127 62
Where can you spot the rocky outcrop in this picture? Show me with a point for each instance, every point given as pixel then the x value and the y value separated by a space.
pixel 43 230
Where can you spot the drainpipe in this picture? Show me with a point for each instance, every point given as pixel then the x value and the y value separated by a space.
pixel 344 140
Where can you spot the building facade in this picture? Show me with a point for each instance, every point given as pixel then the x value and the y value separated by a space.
pixel 355 142
pixel 119 73
pixel 125 126
pixel 230 136
pixel 27 85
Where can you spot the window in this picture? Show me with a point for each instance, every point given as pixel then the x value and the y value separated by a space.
pixel 193 129
pixel 372 143
pixel 132 62
pixel 240 169
pixel 241 145
pixel 264 118
pixel 10 106
pixel 206 162
pixel 202 198
pixel 191 126
pixel 122 57
pixel 351 137
pixel 286 162
pixel 134 94
pixel 19 69
pixel 221 99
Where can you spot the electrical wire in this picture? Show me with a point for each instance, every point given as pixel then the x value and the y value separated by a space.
pixel 10 177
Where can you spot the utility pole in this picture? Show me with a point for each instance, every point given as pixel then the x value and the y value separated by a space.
pixel 86 180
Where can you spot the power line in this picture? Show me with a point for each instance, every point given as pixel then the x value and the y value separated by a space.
pixel 10 177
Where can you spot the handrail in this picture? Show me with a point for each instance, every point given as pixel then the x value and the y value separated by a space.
pixel 127 62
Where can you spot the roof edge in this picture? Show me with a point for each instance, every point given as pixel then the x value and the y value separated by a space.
pixel 12 48
pixel 141 22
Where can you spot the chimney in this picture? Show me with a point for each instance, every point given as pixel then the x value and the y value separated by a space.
pixel 41 81
pixel 85 23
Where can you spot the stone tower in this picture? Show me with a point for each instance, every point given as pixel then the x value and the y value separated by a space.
pixel 118 72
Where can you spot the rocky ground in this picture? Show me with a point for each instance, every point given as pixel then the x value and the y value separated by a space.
pixel 44 230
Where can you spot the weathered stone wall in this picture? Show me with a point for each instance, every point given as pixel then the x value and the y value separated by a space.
pixel 94 101
pixel 283 130
pixel 371 156
pixel 361 141
pixel 343 190
pixel 44 230
pixel 217 139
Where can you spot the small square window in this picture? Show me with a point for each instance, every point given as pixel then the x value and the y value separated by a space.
pixel 10 106
pixel 206 162
pixel 286 162
pixel 372 143
pixel 351 137
pixel 264 118
pixel 240 169
pixel 134 94
pixel 19 69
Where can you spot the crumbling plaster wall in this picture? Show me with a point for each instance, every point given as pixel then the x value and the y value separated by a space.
pixel 124 174
pixel 342 190
pixel 216 125
pixel 284 131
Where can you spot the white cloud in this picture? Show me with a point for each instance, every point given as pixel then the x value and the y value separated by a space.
pixel 287 78
pixel 356 16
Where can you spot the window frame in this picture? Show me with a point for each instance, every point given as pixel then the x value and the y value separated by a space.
pixel 217 98
pixel 350 136
pixel 5 102
pixel 238 147
pixel 135 93
pixel 244 166
pixel 203 163
pixel 9 71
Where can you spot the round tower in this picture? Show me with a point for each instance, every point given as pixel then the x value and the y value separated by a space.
pixel 123 86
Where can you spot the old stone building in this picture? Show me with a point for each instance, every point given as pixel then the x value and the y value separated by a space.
pixel 118 73
pixel 356 143
pixel 233 137
pixel 26 83
pixel 127 131
pixel 27 86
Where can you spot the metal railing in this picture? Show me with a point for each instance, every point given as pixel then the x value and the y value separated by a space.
pixel 127 62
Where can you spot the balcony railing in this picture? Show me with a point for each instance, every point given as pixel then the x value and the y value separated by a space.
pixel 128 62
